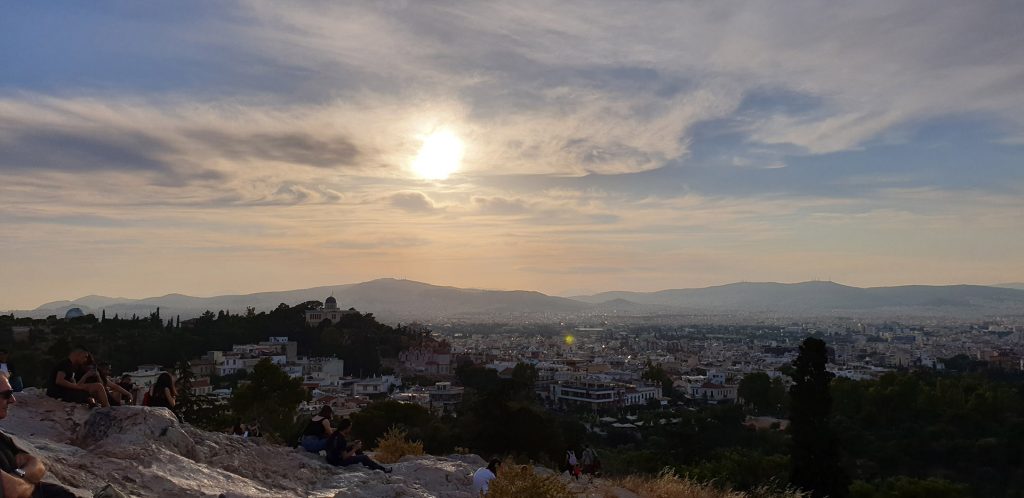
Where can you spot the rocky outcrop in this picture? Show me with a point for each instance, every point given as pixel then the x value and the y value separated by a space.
pixel 145 452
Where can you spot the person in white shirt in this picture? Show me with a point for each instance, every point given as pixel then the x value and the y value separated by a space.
pixel 483 477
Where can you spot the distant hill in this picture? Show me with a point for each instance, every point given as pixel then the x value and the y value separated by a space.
pixel 827 298
pixel 388 299
pixel 1012 285
pixel 394 300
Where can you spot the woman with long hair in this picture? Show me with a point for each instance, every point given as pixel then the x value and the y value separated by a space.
pixel 163 393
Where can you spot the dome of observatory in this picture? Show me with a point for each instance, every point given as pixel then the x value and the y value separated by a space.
pixel 331 303
pixel 73 313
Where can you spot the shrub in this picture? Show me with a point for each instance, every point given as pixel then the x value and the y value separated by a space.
pixel 517 481
pixel 394 445
pixel 668 485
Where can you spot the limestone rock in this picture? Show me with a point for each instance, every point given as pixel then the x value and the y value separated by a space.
pixel 127 426
pixel 146 452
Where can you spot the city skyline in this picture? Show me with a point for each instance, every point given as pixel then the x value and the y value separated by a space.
pixel 253 146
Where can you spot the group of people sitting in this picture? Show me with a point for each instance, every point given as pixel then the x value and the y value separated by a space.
pixel 246 430
pixel 79 378
pixel 319 436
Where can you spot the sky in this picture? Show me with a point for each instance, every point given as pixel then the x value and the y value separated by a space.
pixel 242 146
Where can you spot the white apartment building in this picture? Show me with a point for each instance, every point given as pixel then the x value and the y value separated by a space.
pixel 375 385
pixel 598 394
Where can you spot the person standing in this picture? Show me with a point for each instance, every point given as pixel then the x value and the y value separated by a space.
pixel 573 464
pixel 589 461
pixel 483 476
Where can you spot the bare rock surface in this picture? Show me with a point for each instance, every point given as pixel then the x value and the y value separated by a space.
pixel 145 452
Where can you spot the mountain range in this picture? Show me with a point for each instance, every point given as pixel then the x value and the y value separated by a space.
pixel 406 300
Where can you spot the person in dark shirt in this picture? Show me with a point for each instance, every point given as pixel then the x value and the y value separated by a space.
pixel 164 394
pixel 21 473
pixel 63 383
pixel 129 387
pixel 342 454
pixel 314 438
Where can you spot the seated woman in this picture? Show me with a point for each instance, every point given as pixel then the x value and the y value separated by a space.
pixel 314 438
pixel 163 393
pixel 116 394
pixel 342 454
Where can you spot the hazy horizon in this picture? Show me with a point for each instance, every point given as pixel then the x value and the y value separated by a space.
pixel 562 294
pixel 229 148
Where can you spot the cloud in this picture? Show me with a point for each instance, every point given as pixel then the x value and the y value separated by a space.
pixel 413 202
pixel 595 133
pixel 379 243
pixel 285 147
pixel 632 81
pixel 499 206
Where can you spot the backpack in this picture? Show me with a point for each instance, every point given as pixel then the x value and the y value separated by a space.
pixel 146 399
pixel 572 458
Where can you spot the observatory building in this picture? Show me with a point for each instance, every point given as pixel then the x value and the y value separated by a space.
pixel 329 312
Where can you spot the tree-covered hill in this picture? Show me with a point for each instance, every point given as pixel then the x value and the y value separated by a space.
pixel 127 342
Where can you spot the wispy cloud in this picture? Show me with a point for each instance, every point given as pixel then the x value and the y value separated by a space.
pixel 712 142
pixel 414 202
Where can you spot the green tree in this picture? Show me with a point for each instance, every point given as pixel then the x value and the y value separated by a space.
pixel 270 397
pixel 186 402
pixel 815 459
pixel 762 393
pixel 370 423
pixel 658 375
pixel 907 487
pixel 525 374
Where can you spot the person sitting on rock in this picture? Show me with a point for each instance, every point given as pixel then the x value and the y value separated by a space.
pixel 342 454
pixel 163 393
pixel 254 429
pixel 116 394
pixel 8 368
pixel 484 475
pixel 63 383
pixel 21 473
pixel 314 438
pixel 128 385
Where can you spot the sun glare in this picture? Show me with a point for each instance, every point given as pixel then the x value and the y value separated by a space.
pixel 439 156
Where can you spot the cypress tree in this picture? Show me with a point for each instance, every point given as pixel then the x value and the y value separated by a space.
pixel 815 460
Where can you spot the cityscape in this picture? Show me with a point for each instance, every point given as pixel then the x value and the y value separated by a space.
pixel 451 249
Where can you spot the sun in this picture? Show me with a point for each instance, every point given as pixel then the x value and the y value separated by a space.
pixel 439 157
